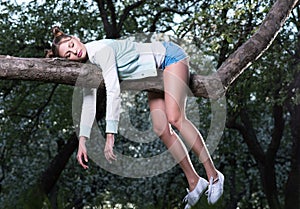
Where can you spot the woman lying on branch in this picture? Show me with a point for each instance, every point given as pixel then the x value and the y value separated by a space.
pixel 122 60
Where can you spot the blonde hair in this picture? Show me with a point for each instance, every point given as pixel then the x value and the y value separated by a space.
pixel 58 37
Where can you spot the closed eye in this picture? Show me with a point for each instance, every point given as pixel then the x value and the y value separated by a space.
pixel 71 44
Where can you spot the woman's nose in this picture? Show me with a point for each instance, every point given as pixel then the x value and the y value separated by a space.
pixel 74 51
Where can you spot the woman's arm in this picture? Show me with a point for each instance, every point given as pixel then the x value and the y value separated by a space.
pixel 88 112
pixel 106 60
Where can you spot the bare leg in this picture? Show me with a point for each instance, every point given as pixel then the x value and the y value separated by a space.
pixel 176 77
pixel 174 144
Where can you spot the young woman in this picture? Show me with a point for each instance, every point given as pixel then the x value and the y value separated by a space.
pixel 124 59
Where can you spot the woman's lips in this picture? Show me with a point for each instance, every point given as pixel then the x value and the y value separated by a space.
pixel 79 53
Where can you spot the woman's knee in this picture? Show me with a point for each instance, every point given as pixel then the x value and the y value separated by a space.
pixel 159 129
pixel 175 120
pixel 159 122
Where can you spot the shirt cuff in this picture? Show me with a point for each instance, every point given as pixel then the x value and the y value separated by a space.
pixel 112 126
pixel 85 131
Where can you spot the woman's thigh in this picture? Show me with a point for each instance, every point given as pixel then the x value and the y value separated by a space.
pixel 176 79
pixel 158 112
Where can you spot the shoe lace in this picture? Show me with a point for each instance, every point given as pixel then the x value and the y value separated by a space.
pixel 209 191
pixel 210 186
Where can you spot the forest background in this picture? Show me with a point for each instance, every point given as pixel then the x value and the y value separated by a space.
pixel 259 151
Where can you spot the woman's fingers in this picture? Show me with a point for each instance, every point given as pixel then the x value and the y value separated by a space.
pixel 85 157
pixel 108 150
pixel 109 154
pixel 80 157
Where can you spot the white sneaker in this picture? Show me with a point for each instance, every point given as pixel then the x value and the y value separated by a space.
pixel 192 197
pixel 215 188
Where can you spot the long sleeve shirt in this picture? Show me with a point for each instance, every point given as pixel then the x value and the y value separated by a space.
pixel 119 60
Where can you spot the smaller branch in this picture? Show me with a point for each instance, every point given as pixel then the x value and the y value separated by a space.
pixel 126 12
pixel 41 108
pixel 248 133
pixel 37 115
pixel 164 10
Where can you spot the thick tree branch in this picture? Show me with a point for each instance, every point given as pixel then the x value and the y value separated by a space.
pixel 59 71
pixel 48 70
pixel 258 43
pixel 88 75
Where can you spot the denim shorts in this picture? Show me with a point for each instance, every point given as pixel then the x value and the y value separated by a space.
pixel 174 53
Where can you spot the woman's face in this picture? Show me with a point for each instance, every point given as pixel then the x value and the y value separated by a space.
pixel 72 49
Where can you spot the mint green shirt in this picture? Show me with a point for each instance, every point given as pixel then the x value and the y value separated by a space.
pixel 119 60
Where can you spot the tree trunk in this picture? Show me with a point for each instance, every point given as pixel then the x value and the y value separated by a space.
pixel 36 196
pixel 265 160
pixel 292 190
pixel 112 26
pixel 268 179
pixel 292 193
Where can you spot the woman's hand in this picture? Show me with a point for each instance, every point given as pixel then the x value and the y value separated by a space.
pixel 109 145
pixel 82 154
